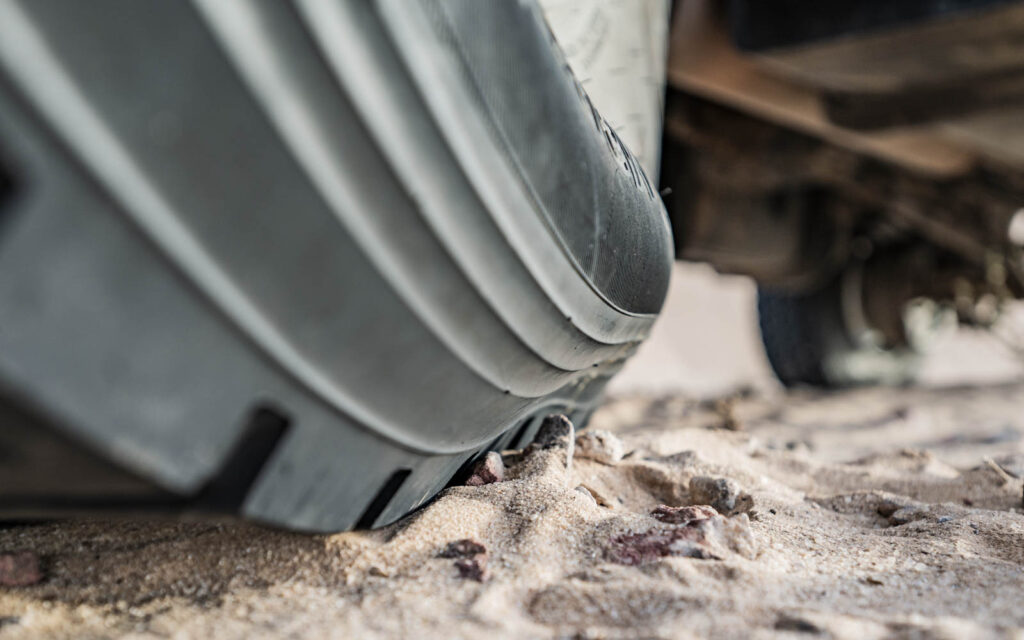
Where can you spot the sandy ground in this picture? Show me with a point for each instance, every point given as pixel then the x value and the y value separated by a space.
pixel 868 514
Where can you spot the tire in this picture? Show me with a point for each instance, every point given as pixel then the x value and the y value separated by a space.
pixel 599 39
pixel 807 340
pixel 300 262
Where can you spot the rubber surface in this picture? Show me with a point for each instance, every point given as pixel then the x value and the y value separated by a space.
pixel 293 261
pixel 793 337
pixel 618 51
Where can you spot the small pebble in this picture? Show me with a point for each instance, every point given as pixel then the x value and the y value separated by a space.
pixel 470 558
pixel 488 470
pixel 463 548
pixel 644 548
pixel 599 445
pixel 474 568
pixel 720 493
pixel 787 622
pixel 555 431
pixel 586 492
pixel 886 508
pixel 706 538
pixel 904 515
pixel 20 569
pixel 683 515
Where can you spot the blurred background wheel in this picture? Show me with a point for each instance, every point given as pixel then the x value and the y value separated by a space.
pixel 821 338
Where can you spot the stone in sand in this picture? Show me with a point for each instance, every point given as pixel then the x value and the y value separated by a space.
pixel 464 548
pixel 887 507
pixel 488 470
pixel 720 493
pixel 683 515
pixel 905 515
pixel 787 622
pixel 650 546
pixel 474 568
pixel 599 445
pixel 19 569
pixel 555 431
pixel 701 533
pixel 586 493
pixel 471 558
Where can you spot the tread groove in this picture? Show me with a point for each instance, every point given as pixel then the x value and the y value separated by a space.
pixel 8 186
pixel 382 499
pixel 517 439
pixel 227 490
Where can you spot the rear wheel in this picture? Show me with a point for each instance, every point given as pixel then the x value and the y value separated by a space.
pixel 821 338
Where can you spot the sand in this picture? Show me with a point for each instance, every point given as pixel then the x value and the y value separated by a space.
pixel 871 514
pixel 878 513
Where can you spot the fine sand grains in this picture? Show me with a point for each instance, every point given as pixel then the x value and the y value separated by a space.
pixel 871 514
